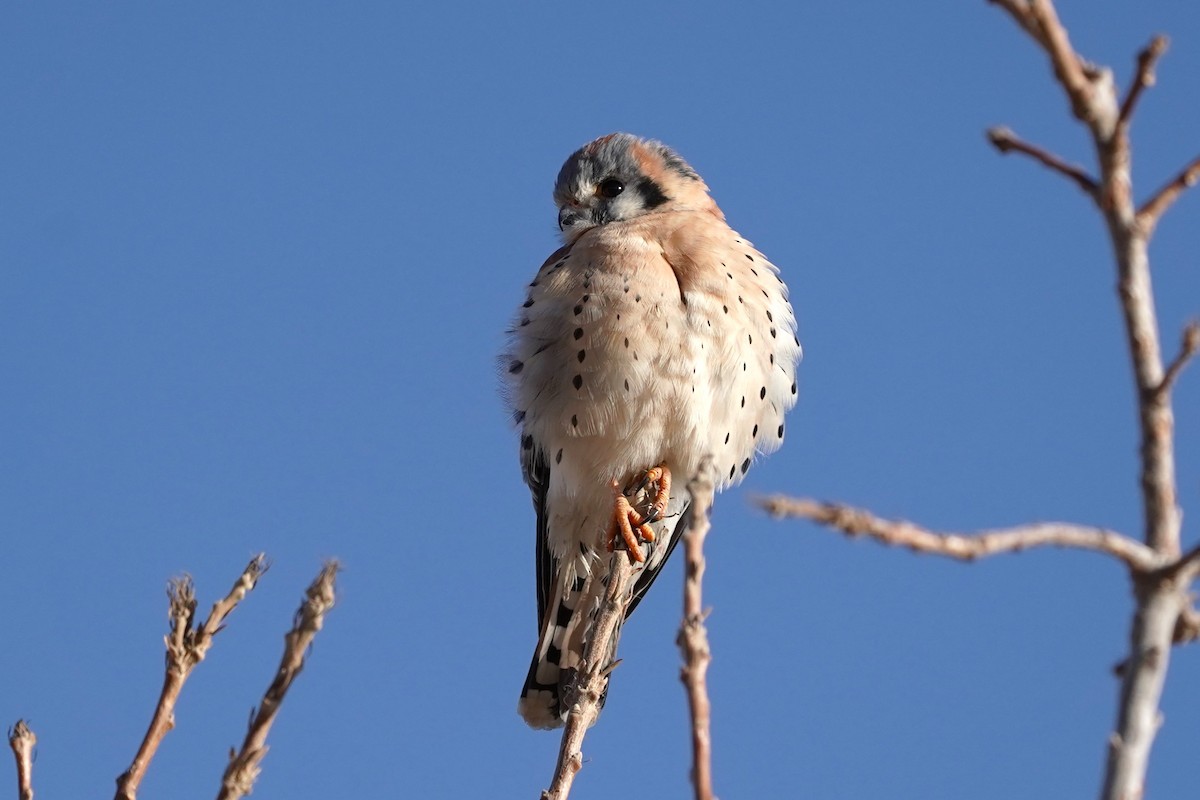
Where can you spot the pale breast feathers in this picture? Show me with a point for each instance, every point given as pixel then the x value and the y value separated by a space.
pixel 670 326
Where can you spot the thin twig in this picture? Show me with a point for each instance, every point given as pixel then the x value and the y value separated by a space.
pixel 1187 627
pixel 22 741
pixel 186 647
pixel 1143 78
pixel 587 690
pixel 246 764
pixel 1008 142
pixel 1153 209
pixel 899 533
pixel 1189 344
pixel 693 636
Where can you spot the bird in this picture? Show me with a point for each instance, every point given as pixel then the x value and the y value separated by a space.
pixel 654 341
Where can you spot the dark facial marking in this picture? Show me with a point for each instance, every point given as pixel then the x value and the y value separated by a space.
pixel 650 192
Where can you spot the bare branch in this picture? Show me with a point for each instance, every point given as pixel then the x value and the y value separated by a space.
pixel 186 647
pixel 1093 96
pixel 587 690
pixel 1143 78
pixel 22 740
pixel 898 533
pixel 693 636
pixel 1187 627
pixel 1039 19
pixel 1189 344
pixel 1183 570
pixel 1006 142
pixel 1153 209
pixel 245 765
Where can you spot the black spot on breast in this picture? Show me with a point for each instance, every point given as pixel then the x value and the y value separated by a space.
pixel 579 333
pixel 750 338
pixel 637 298
pixel 527 303
pixel 558 456
pixel 627 384
pixel 755 431
pixel 745 466
pixel 577 381
pixel 762 393
pixel 743 401
pixel 516 366
pixel 752 269
pixel 727 437
pixel 772 358
pixel 725 309
pixel 578 310
pixel 627 341
pixel 585 298
pixel 779 432
pixel 524 322
pixel 749 256
pixel 740 300
pixel 793 387
pixel 518 416
pixel 574 421
pixel 770 318
pixel 732 470
pixel 581 356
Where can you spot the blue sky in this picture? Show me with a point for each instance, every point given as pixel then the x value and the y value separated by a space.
pixel 258 260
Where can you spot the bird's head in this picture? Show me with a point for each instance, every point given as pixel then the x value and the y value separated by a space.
pixel 619 177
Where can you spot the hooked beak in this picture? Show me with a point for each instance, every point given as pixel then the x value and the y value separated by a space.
pixel 569 217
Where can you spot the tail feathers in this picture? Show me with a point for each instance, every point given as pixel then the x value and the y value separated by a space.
pixel 568 620
pixel 557 660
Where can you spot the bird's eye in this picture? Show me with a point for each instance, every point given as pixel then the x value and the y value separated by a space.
pixel 610 188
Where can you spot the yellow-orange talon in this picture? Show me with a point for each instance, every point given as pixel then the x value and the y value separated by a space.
pixel 623 521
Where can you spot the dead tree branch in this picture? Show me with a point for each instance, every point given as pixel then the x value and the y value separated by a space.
pixel 1006 142
pixel 22 740
pixel 1189 344
pixel 587 691
pixel 1159 603
pixel 186 647
pixel 246 764
pixel 1144 76
pixel 693 636
pixel 967 547
pixel 1153 209
pixel 1161 576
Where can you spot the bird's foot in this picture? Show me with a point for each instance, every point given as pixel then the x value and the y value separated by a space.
pixel 630 526
pixel 660 478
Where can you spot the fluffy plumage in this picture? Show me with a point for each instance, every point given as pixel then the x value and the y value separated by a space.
pixel 655 336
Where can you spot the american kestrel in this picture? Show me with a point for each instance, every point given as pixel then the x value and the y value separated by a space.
pixel 656 336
